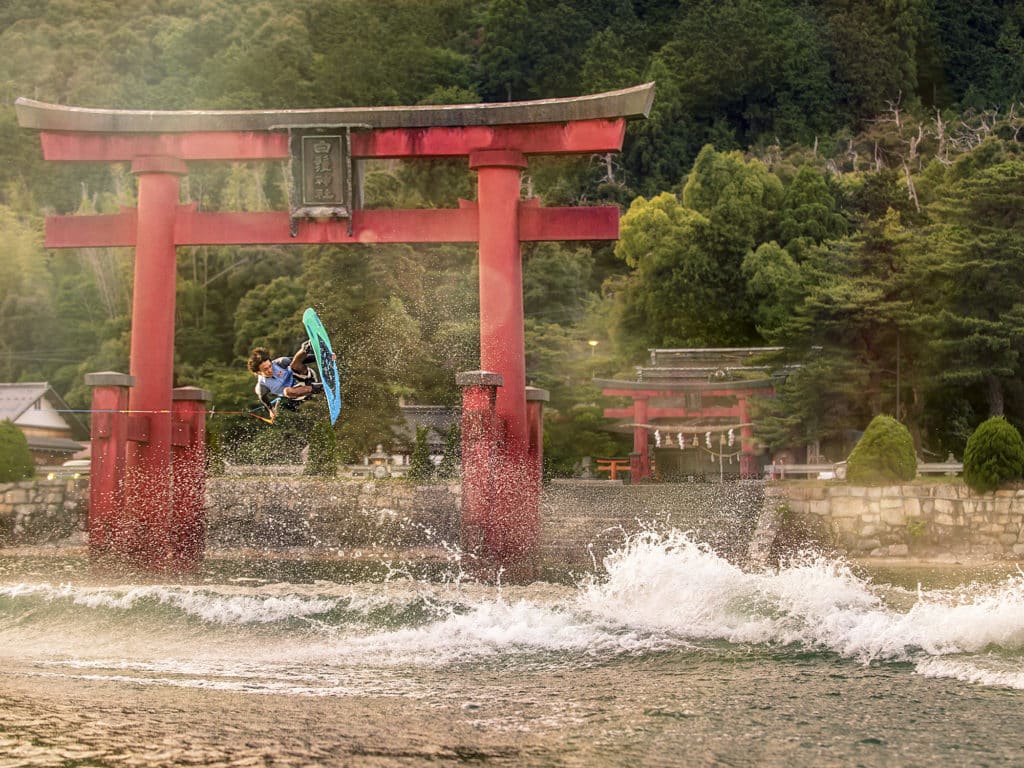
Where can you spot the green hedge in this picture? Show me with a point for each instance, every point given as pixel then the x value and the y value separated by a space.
pixel 994 455
pixel 884 454
pixel 15 458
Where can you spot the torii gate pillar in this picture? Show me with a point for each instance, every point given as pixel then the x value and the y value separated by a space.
pixel 502 346
pixel 149 461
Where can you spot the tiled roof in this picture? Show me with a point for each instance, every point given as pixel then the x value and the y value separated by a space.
pixel 38 443
pixel 437 418
pixel 16 398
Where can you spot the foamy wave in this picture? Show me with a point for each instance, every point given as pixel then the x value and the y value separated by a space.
pixel 210 607
pixel 971 671
pixel 492 628
pixel 669 583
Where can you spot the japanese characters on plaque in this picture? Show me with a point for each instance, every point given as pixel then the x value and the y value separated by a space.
pixel 323 173
pixel 321 169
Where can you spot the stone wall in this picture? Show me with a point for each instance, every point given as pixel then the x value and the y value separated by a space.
pixel 262 512
pixel 580 522
pixel 938 520
pixel 43 511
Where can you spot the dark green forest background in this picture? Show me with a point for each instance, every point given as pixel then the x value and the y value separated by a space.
pixel 843 178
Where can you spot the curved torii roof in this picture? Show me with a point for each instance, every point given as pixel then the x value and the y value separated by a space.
pixel 628 102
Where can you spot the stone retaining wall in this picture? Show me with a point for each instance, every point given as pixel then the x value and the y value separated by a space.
pixel 43 511
pixel 270 512
pixel 941 520
pixel 580 521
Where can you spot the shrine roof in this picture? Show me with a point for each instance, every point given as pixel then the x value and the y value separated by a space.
pixel 713 357
pixel 684 385
pixel 628 102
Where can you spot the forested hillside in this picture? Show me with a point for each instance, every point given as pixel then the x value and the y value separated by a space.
pixel 843 178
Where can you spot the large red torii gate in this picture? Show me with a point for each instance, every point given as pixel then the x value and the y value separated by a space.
pixel 145 505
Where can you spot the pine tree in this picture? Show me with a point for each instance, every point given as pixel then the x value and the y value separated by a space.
pixel 449 467
pixel 421 468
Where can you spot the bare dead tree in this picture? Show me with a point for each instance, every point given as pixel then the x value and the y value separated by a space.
pixel 911 189
pixel 942 151
pixel 894 108
pixel 1016 123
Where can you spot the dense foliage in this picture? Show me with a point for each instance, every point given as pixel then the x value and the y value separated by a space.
pixel 884 453
pixel 15 458
pixel 841 178
pixel 994 455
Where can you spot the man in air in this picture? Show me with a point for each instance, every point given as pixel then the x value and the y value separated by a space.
pixel 288 380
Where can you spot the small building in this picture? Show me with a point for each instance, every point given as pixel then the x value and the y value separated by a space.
pixel 53 432
pixel 436 418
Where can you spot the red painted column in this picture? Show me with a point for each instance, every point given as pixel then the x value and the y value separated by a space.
pixel 188 526
pixel 480 534
pixel 514 513
pixel 535 399
pixel 109 439
pixel 502 347
pixel 639 460
pixel 149 479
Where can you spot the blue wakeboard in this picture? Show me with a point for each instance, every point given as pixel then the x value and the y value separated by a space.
pixel 325 360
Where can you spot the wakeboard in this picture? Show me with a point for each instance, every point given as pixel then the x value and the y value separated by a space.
pixel 325 360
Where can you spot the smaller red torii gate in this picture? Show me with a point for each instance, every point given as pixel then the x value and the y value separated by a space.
pixel 146 495
pixel 642 413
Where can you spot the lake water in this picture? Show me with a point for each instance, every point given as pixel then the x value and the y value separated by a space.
pixel 672 656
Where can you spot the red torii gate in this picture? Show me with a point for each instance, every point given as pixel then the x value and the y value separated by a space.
pixel 145 502
pixel 642 413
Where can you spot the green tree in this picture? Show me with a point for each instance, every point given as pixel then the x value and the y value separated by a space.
pixel 975 270
pixel 15 458
pixel 885 453
pixel 994 455
pixel 874 50
pixel 452 459
pixel 421 468
pixel 862 309
pixel 215 464
pixel 688 287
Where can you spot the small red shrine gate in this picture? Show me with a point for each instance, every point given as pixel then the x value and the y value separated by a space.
pixel 145 506
pixel 681 395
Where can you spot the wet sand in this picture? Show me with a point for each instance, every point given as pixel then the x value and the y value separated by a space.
pixel 67 722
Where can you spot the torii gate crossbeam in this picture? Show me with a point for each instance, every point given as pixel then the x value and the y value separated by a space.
pixel 157 524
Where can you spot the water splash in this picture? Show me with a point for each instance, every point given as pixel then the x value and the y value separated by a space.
pixel 661 592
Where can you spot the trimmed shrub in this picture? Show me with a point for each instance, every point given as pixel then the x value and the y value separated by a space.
pixel 884 454
pixel 994 455
pixel 323 450
pixel 449 466
pixel 15 457
pixel 421 468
